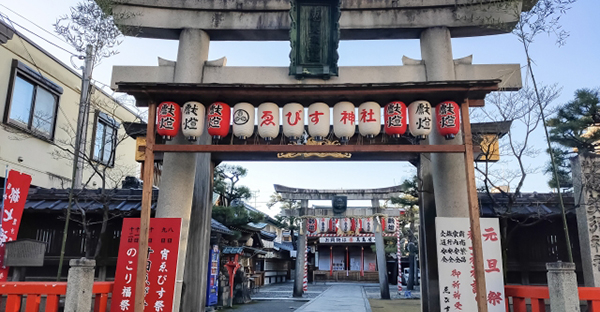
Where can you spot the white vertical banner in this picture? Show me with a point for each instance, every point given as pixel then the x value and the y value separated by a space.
pixel 456 268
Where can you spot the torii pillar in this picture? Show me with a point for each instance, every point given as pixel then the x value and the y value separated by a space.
pixel 189 174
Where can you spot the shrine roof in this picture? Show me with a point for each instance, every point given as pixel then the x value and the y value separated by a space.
pixel 306 94
pixel 127 201
pixel 537 205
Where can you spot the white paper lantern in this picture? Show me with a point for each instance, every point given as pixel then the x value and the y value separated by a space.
pixel 192 120
pixel 419 119
pixel 344 121
pixel 318 120
pixel 293 121
pixel 369 119
pixel 367 225
pixel 243 120
pixel 345 225
pixel 268 120
pixel 323 225
pixel 390 225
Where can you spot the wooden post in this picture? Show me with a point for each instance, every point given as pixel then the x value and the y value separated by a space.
pixel 146 210
pixel 474 210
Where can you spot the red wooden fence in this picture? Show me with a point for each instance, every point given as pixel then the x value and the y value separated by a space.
pixel 537 295
pixel 13 293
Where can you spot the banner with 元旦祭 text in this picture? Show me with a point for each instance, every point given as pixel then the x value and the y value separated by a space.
pixel 15 196
pixel 161 266
pixel 456 267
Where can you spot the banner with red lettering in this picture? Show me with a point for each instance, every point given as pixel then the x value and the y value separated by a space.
pixel 15 195
pixel 161 267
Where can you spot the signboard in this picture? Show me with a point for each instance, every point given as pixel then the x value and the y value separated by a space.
pixel 25 253
pixel 161 267
pixel 456 267
pixel 15 195
pixel 212 291
pixel 347 239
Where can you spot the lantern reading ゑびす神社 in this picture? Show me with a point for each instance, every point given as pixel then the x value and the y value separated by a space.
pixel 219 114
pixel 344 121
pixel 168 119
pixel 243 120
pixel 419 118
pixel 192 120
pixel 318 120
pixel 369 119
pixel 293 121
pixel 268 121
pixel 395 119
pixel 448 119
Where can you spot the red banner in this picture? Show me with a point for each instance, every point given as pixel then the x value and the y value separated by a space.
pixel 161 267
pixel 15 195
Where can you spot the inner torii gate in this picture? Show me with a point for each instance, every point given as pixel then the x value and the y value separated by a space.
pixel 374 195
pixel 186 182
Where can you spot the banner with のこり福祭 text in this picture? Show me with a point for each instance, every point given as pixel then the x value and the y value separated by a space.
pixel 456 267
pixel 161 266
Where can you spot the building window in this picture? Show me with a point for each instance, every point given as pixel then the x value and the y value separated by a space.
pixel 105 139
pixel 32 101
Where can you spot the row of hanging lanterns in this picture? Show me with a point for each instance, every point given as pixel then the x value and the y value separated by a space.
pixel 346 225
pixel 417 117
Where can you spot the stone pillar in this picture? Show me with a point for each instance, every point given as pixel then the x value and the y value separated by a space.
pixel 177 180
pixel 449 180
pixel 299 267
pixel 430 297
pixel 586 187
pixel 562 284
pixel 384 287
pixel 79 285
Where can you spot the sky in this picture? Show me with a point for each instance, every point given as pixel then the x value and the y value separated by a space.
pixel 572 66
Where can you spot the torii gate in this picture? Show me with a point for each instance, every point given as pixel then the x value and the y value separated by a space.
pixel 187 178
pixel 374 195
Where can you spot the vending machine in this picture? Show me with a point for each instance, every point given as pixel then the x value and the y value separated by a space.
pixel 212 291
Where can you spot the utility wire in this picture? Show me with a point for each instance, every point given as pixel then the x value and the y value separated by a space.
pixel 36 25
pixel 33 33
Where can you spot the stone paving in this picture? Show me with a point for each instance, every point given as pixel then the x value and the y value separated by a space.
pixel 285 290
pixel 331 297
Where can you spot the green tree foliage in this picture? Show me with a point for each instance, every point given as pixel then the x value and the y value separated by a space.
pixel 561 157
pixel 290 223
pixel 235 215
pixel 574 123
pixel 409 201
pixel 225 181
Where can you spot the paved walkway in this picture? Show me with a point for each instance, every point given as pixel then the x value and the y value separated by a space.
pixel 347 298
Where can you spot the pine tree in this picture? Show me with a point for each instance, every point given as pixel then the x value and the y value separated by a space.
pixel 561 157
pixel 576 123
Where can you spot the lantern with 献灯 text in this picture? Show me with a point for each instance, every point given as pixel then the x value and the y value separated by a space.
pixel 447 116
pixel 218 117
pixel 369 119
pixel 168 119
pixel 390 225
pixel 268 121
pixel 192 120
pixel 318 120
pixel 293 121
pixel 243 120
pixel 344 121
pixel 419 118
pixel 395 119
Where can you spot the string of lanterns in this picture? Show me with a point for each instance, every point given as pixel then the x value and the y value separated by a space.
pixel 398 117
pixel 342 226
